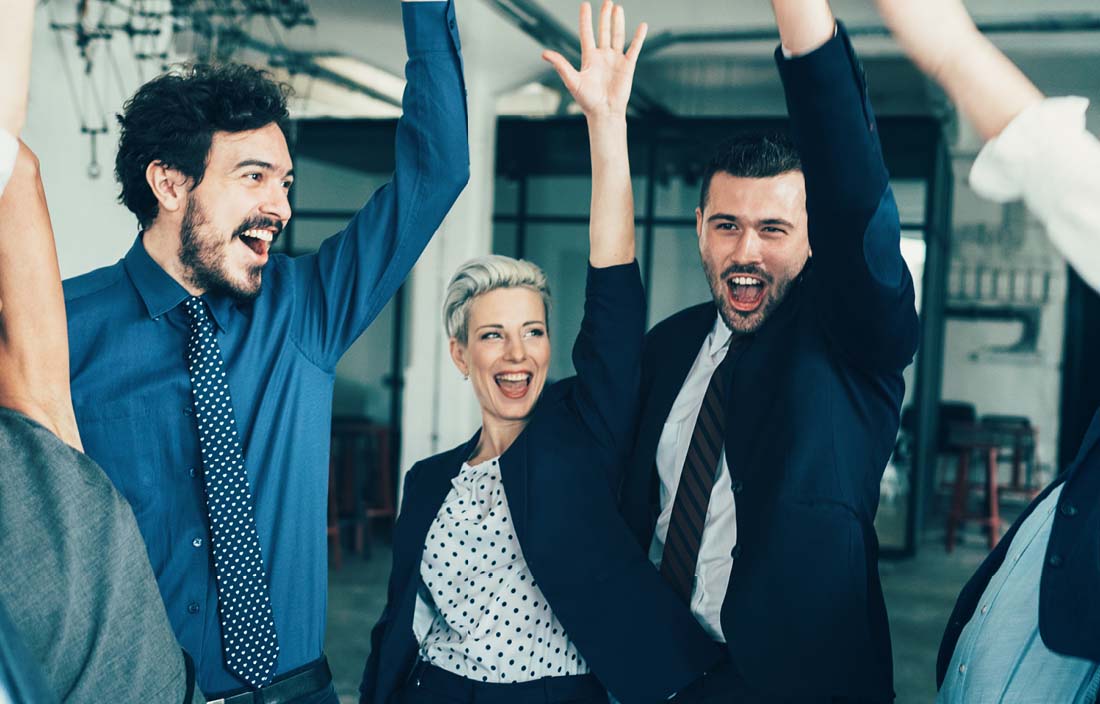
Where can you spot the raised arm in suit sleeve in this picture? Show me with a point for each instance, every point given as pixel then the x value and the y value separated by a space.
pixel 863 289
pixel 340 289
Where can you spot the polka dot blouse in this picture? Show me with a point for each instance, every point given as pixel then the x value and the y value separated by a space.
pixel 488 619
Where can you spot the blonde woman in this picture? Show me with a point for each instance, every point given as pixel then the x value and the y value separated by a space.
pixel 514 580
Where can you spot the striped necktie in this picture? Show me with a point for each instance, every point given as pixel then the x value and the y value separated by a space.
pixel 249 641
pixel 689 510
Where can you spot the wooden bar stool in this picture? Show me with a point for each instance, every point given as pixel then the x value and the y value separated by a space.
pixel 969 439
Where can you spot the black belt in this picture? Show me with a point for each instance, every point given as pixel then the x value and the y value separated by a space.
pixel 285 688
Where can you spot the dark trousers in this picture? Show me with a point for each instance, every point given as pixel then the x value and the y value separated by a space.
pixel 723 685
pixel 431 685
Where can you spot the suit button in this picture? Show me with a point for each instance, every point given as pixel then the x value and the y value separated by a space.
pixel 737 486
pixel 1055 561
pixel 193 608
pixel 735 552
pixel 1068 510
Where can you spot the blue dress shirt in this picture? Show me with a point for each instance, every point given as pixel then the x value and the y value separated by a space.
pixel 1000 656
pixel 128 337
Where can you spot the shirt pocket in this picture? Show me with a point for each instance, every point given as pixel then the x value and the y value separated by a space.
pixel 124 441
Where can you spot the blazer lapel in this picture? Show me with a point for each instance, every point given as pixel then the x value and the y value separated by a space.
pixel 422 504
pixel 1092 436
pixel 675 362
pixel 673 359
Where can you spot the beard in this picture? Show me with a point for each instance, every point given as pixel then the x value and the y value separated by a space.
pixel 745 322
pixel 203 256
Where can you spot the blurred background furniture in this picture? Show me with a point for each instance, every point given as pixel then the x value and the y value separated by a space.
pixel 991 440
pixel 361 484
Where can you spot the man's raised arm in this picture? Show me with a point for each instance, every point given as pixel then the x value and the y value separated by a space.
pixel 34 345
pixel 15 67
pixel 354 273
pixel 1039 149
pixel 863 288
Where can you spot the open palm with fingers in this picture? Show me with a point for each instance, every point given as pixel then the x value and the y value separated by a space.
pixel 602 85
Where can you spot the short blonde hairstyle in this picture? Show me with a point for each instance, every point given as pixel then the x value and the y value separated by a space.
pixel 483 275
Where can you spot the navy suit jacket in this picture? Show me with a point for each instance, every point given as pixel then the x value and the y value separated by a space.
pixel 636 636
pixel 1069 586
pixel 812 415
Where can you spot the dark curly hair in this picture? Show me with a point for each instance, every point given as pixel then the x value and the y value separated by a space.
pixel 172 119
pixel 751 156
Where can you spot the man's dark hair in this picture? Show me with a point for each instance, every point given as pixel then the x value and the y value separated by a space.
pixel 751 156
pixel 172 119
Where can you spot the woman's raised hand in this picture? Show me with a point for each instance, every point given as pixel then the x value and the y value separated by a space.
pixel 602 85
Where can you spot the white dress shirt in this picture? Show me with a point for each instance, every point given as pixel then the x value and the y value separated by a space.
pixel 9 149
pixel 484 617
pixel 712 571
pixel 1048 158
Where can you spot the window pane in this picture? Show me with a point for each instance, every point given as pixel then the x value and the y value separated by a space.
pixel 309 232
pixel 676 198
pixel 910 196
pixel 678 280
pixel 571 195
pixel 505 196
pixel 321 185
pixel 504 239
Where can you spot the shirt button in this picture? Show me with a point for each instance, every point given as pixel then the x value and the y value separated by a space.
pixel 1069 510
pixel 1055 561
pixel 962 668
pixel 985 609
pixel 193 607
pixel 197 542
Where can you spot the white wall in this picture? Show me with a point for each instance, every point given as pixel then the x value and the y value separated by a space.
pixel 91 228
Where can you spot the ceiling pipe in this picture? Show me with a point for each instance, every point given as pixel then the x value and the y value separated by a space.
pixel 1032 25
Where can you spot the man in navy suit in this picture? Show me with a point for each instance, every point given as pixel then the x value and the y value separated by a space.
pixel 1027 625
pixel 769 414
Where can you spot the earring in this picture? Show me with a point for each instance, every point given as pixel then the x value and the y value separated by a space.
pixel 465 377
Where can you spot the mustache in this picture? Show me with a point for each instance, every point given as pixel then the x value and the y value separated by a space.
pixel 747 270
pixel 257 223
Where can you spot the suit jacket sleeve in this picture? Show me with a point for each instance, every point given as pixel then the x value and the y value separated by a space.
pixel 342 287
pixel 607 356
pixel 863 289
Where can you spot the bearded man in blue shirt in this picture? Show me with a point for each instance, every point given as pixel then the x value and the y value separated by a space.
pixel 202 366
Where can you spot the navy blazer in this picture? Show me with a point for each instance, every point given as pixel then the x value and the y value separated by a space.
pixel 1069 587
pixel 812 416
pixel 636 636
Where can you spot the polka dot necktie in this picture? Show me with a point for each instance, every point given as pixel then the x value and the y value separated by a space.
pixel 249 641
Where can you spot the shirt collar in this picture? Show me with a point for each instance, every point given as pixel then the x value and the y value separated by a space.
pixel 718 341
pixel 161 293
